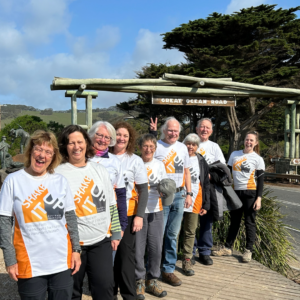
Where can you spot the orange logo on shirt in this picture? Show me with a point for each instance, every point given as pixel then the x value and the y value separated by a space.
pixel 201 151
pixel 40 206
pixel 89 200
pixel 173 163
pixel 237 166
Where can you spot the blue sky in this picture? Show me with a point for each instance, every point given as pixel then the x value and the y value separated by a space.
pixel 41 39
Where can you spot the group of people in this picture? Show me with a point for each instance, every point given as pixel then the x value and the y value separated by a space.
pixel 87 204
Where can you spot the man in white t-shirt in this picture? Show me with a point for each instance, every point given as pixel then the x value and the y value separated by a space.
pixel 176 159
pixel 211 152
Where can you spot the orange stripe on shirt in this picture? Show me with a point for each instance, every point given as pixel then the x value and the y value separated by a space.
pixel 69 259
pixel 251 185
pixel 160 204
pixel 198 201
pixel 24 266
pixel 133 203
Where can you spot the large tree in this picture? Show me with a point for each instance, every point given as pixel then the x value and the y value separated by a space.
pixel 257 45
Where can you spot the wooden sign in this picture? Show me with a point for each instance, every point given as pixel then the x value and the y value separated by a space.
pixel 196 101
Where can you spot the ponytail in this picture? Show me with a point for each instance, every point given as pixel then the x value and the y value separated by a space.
pixel 256 148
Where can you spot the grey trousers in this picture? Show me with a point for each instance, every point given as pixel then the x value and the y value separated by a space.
pixel 152 235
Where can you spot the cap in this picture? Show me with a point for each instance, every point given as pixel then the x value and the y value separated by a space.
pixel 167 190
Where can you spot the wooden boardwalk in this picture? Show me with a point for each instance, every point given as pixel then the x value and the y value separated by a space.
pixel 226 279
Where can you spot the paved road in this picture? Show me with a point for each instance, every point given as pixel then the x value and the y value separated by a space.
pixel 289 199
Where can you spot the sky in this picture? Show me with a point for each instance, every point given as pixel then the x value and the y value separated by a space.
pixel 41 39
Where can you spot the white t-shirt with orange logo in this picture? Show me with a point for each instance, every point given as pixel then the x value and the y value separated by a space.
pixel 113 166
pixel 134 172
pixel 211 152
pixel 156 172
pixel 196 187
pixel 175 158
pixel 93 195
pixel 243 169
pixel 41 239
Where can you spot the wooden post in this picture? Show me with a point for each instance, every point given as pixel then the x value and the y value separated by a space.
pixel 297 134
pixel 286 129
pixel 292 134
pixel 89 111
pixel 74 110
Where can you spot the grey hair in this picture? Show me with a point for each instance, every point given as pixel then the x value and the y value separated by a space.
pixel 165 126
pixel 111 130
pixel 204 119
pixel 192 138
pixel 145 138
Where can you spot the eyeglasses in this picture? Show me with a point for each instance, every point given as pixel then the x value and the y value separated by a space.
pixel 39 151
pixel 148 147
pixel 101 137
pixel 172 131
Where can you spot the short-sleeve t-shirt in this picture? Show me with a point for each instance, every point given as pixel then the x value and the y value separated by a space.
pixel 175 158
pixel 113 166
pixel 93 195
pixel 41 239
pixel 156 172
pixel 211 152
pixel 244 166
pixel 196 187
pixel 134 172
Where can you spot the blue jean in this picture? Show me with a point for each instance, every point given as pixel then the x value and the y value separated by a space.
pixel 172 223
pixel 205 241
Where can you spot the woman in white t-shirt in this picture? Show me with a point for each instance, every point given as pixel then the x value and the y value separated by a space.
pixel 96 211
pixel 247 168
pixel 45 246
pixel 153 224
pixel 136 182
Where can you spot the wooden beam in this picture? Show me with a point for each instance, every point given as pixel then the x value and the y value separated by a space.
pixel 297 141
pixel 292 134
pixel 291 102
pixel 84 126
pixel 81 94
pixel 190 78
pixel 286 130
pixel 82 87
pixel 74 109
pixel 89 111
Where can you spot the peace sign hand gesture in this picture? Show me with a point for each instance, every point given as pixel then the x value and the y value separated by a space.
pixel 153 125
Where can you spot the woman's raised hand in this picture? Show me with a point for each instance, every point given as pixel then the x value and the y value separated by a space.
pixel 153 125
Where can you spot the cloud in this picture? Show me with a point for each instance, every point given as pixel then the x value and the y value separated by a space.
pixel 236 5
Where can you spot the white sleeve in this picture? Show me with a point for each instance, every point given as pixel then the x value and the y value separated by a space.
pixel 230 159
pixel 219 155
pixel 120 179
pixel 69 200
pixel 140 172
pixel 6 200
pixel 260 164
pixel 163 171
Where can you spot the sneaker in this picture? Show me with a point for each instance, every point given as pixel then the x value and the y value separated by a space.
pixel 223 251
pixel 187 267
pixel 153 287
pixel 140 289
pixel 247 256
pixel 193 260
pixel 205 260
pixel 171 279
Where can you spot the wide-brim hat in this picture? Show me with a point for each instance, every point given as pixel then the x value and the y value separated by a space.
pixel 167 190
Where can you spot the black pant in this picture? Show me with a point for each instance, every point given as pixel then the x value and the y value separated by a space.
pixel 124 266
pixel 59 286
pixel 248 197
pixel 96 261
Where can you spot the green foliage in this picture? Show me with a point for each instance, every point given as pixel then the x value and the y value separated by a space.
pixel 55 127
pixel 47 111
pixel 28 123
pixel 272 247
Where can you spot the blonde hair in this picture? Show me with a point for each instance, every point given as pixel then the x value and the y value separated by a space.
pixel 39 138
pixel 256 148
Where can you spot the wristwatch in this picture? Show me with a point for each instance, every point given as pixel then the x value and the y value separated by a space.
pixel 77 251
pixel 190 193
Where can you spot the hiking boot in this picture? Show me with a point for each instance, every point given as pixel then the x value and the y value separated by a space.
pixel 153 287
pixel 205 260
pixel 247 256
pixel 171 279
pixel 187 267
pixel 193 260
pixel 223 251
pixel 140 289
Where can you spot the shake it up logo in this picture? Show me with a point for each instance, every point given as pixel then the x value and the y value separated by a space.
pixel 89 199
pixel 152 179
pixel 173 163
pixel 40 206
pixel 241 165
pixel 194 175
pixel 203 153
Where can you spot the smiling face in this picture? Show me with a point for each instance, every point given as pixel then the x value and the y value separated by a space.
pixel 122 140
pixel 192 148
pixel 102 139
pixel 148 150
pixel 172 132
pixel 250 142
pixel 40 159
pixel 76 149
pixel 204 130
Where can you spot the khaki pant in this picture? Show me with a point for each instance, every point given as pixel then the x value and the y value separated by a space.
pixel 190 223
